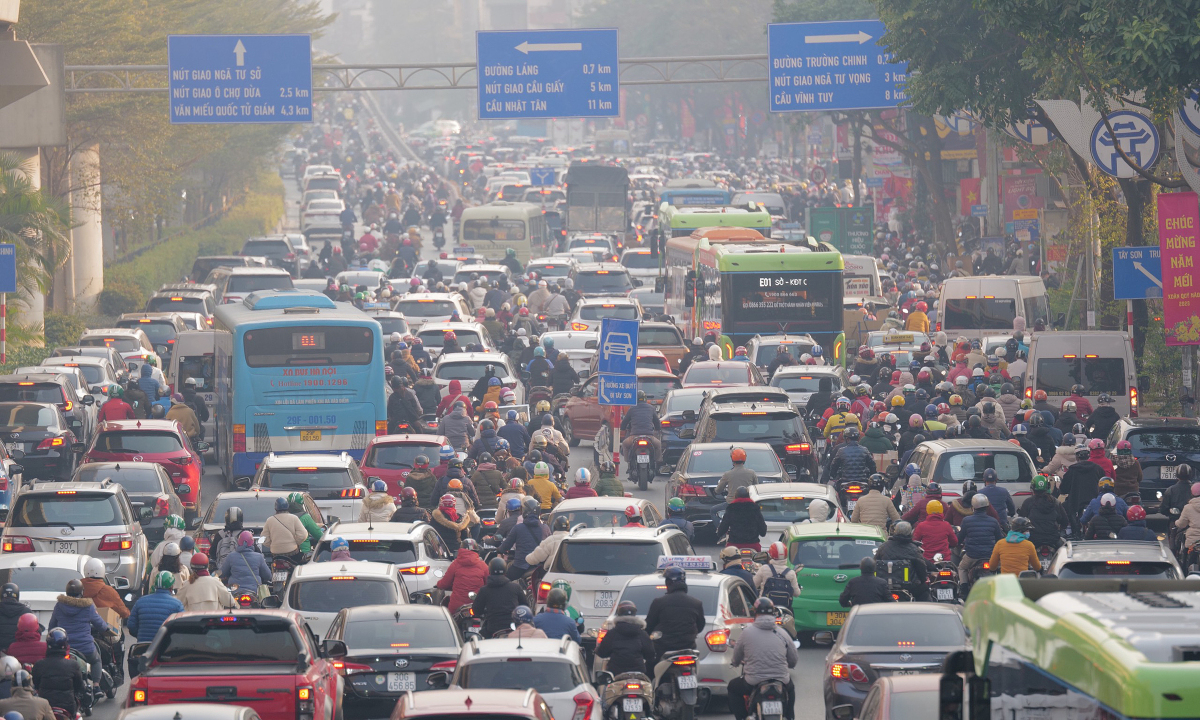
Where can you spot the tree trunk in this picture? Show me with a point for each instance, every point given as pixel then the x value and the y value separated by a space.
pixel 928 156
pixel 1137 196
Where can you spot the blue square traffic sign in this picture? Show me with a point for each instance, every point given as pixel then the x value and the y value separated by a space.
pixel 547 73
pixel 617 389
pixel 240 78
pixel 1137 273
pixel 618 347
pixel 979 210
pixel 822 66
pixel 8 268
pixel 541 176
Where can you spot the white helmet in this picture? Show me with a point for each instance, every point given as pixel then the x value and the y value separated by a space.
pixel 9 667
pixel 395 337
pixel 94 568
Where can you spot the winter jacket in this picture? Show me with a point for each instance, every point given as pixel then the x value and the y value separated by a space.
pixel 864 590
pixel 28 648
pixel 853 462
pixel 1014 554
pixel 547 492
pixel 917 513
pixel 467 574
pixel 627 647
pixel 899 549
pixel 116 409
pixel 1093 509
pixel 205 593
pixel 246 568
pixel 782 570
pixel 1009 404
pixel 1047 517
pixel 1097 456
pixel 556 624
pixel 376 507
pixel 1044 440
pixel 517 437
pixel 546 549
pixel 524 539
pixel 283 532
pixel 487 442
pixel 935 535
pixel 449 529
pixel 409 512
pixel 488 483
pixel 1189 520
pixel 429 394
pixel 443 486
pixel 1064 457
pixel 682 523
pixel 1001 501
pixel 875 509
pixel 151 611
pixel 495 602
pixel 10 611
pixel 169 535
pixel 679 617
pixel 79 618
pixel 980 533
pixel 59 680
pixel 29 705
pixel 737 477
pixel 743 521
pixel 1066 421
pixel 1127 474
pixel 876 442
pixel 186 417
pixel 1136 530
pixel 1080 485
pixel 610 486
pixel 422 482
pixel 457 427
pixel 104 596
pixel 765 652
pixel 454 394
pixel 1106 522
pixel 1100 422
pixel 1173 501
pixel 580 491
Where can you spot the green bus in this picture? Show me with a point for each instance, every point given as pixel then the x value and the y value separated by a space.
pixel 681 222
pixel 1112 648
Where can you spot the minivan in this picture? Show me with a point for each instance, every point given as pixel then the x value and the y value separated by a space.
pixel 1102 361
pixel 235 283
pixel 195 358
pixel 987 305
pixel 860 281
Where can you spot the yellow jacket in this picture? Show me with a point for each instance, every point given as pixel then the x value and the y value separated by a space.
pixel 546 491
pixel 917 322
pixel 1014 558
pixel 838 422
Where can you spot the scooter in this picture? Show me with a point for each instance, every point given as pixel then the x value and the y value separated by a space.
pixel 281 572
pixel 244 598
pixel 676 691
pixel 439 238
pixel 943 581
pixel 469 626
pixel 766 703
pixel 626 696
pixel 850 492
pixel 642 470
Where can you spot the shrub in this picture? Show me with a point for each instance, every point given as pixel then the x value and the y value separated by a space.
pixel 63 329
pixel 118 296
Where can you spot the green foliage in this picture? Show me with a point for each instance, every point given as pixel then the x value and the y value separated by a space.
pixel 26 356
pixel 36 223
pixel 63 329
pixel 119 297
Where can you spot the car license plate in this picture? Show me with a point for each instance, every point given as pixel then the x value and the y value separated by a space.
pixel 605 598
pixel 13 447
pixel 835 618
pixel 905 672
pixel 688 682
pixel 945 594
pixel 309 435
pixel 772 707
pixel 1166 472
pixel 65 547
pixel 850 505
pixel 279 576
pixel 631 704
pixel 644 459
pixel 402 681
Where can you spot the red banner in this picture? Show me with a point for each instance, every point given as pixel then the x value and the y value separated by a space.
pixel 1179 244
pixel 969 195
pixel 1020 193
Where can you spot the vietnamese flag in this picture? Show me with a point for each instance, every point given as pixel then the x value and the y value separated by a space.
pixel 968 195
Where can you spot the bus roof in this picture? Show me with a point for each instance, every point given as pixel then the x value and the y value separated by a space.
pixel 728 234
pixel 502 210
pixel 288 298
pixel 698 217
pixel 236 316
pixel 771 256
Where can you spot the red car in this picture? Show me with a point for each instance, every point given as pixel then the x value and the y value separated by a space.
pixel 583 414
pixel 722 373
pixel 157 441
pixel 264 659
pixel 390 457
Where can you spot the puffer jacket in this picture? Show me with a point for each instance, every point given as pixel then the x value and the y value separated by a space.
pixel 450 529
pixel 524 539
pixel 743 521
pixel 246 568
pixel 104 595
pixel 1064 457
pixel 151 611
pixel 495 602
pixel 1189 520
pixel 457 428
pixel 487 442
pixel 377 507
pixel 979 534
pixel 1014 554
pixel 488 483
pixel 1047 517
pixel 58 680
pixel 410 512
pixel 28 648
pixel 79 618
pixel 546 549
pixel 443 486
pixel 1009 404
pixel 853 462
pixel 423 482
pixel 876 442
pixel 1097 456
pixel 609 486
pixel 10 611
pixel 1107 522
pixel 1127 474
pixel 875 509
pixel 763 650
pixel 936 536
pixel 429 394
pixel 517 437
pixel 1137 530
pixel 627 647
pixel 467 574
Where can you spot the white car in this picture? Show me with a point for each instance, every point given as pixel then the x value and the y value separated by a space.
pixel 322 216
pixel 580 347
pixel 132 343
pixel 422 308
pixel 604 512
pixel 333 481
pixel 372 279
pixel 591 311
pixel 467 368
pixel 433 336
pixel 640 263
pixel 784 504
pixel 42 577
pixel 98 371
pixel 551 268
pixel 800 382
pixel 415 550
pixel 319 590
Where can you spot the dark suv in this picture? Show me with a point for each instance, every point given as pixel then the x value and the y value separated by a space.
pixel 776 423
pixel 1160 444
pixel 278 251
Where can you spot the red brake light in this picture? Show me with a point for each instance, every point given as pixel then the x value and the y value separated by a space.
pixel 583 706
pixel 854 489
pixel 848 671
pixel 50 443
pixel 643 443
pixel 181 460
pixel 414 570
pixel 799 448
pixel 717 640
pixel 350 668
pixel 354 492
pixel 203 544
pixel 543 591
pixel 239 438
pixel 116 542
pixel 16 544
pixel 691 491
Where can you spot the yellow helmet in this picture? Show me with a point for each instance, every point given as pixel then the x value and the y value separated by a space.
pixel 543 406
pixel 897 401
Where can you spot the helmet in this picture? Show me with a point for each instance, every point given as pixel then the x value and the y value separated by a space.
pixel 851 433
pixel 915 421
pixel 174 521
pixel 446 453
pixel 1079 431
pixel 1134 514
pixel 530 506
pixel 446 501
pixel 522 615
pixel 1082 453
pixel 843 403
pixel 497 566
pixel 903 529
pixel 297 499
pixel 989 408
pixel 934 506
pixel 931 411
pixel 583 476
pixel 1040 483
pixel 8 669
pixel 816 351
pixel 1020 524
pixel 1105 399
pixel 876 482
pixel 897 401
pixel 281 504
pixel 1021 429
pixel 990 476
pixel 675 505
pixel 557 599
pixel 979 501
pixel 911 469
pixel 164 580
pixel 94 568
pixel 1036 420
pixel 541 469
pixel 739 350
pixel 200 560
pixel 1124 447
pixel 1069 406
pixel 1106 482
pixel 675 576
pixel 513 504
pixel 737 455
pixel 22 678
pixel 56 639
pixel 922 307
pixel 1077 389
pixel 632 513
pixel 777 550
pixel 75 587
pixel 454 484
pixel 764 606
pixel 562 522
pixel 449 335
pixel 1095 444
pixel 1039 395
pixel 485 457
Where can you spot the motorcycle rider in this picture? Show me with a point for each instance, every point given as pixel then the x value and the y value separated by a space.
pixel 775 579
pixel 1046 515
pixel 1000 499
pixel 1107 522
pixel 1136 528
pixel 679 617
pixel 410 510
pixel 874 508
pixel 511 262
pixel 497 599
pixel 979 534
pixel 765 653
pixel 524 538
pixel 78 617
pixel 540 485
pixel 421 481
pixel 29 647
pixel 226 538
pixel 546 549
pixel 641 420
pixel 626 646
pixel 1014 553
pixel 582 486
pixel 467 574
pixel 245 567
pixel 852 462
pixel 1080 484
pixel 57 677
pixel 554 621
pixel 901 551
pixel 99 591
pixel 743 521
pixel 1173 501
pixel 22 704
pixel 739 476
pixel 866 588
pixel 151 611
pixel 675 516
pixel 202 591
pixel 11 610
pixel 731 564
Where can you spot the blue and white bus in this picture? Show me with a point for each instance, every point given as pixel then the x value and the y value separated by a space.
pixel 296 372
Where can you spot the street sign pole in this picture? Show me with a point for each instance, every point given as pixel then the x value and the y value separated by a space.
pixel 8 284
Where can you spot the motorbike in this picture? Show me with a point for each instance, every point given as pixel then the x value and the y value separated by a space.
pixel 538 393
pixel 676 691
pixel 943 581
pixel 439 238
pixel 1045 553
pixel 88 697
pixel 977 571
pixel 850 492
pixel 281 572
pixel 626 696
pixel 897 575
pixel 767 700
pixel 244 598
pixel 642 469
pixel 468 625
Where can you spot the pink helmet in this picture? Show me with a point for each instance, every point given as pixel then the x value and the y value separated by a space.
pixel 1095 444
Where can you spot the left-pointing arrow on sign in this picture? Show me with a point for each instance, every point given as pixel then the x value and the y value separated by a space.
pixel 860 37
pixel 528 47
pixel 240 51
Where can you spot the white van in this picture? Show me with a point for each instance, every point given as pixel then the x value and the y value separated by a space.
pixel 195 357
pixel 987 304
pixel 1102 361
pixel 860 282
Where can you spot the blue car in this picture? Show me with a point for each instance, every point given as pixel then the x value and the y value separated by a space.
pixel 679 411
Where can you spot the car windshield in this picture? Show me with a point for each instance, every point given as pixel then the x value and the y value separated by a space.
pixel 177 303
pixel 250 283
pixel 658 336
pixel 159 332
pixel 145 442
pixel 398 552
pixel 832 553
pixel 303 478
pixel 975 313
pixel 574 341
pixel 732 373
pixel 789 509
pixel 519 673
pixel 606 557
pixel 15 417
pixel 389 634
pixel 91 373
pixel 467 370
pixel 134 480
pixel 639 260
pixel 656 388
pixel 1180 440
pixel 34 393
pixel 398 456
pixel 1097 375
pixel 603 281
pixel 66 508
pixel 1108 568
pixel 228 639
pixel 124 344
pixel 1011 467
pixel 425 308
pixel 608 310
pixel 764 353
pixel 805 383
pixel 33 578
pixel 329 595
pixel 255 509
pixel 468 273
pixel 914 630
pixel 593 518
pixel 643 595
pixel 750 427
pixel 437 338
pixel 714 461
pixel 392 324
pixel 649 300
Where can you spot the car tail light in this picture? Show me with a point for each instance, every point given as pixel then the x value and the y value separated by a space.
pixel 1133 402
pixel 380 428
pixel 600 635
pixel 116 542
pixel 799 448
pixel 50 443
pixel 139 697
pixel 691 491
pixel 239 438
pixel 16 544
pixel 579 326
pixel 290 256
pixel 543 591
pixel 414 570
pixel 354 492
pixel 305 705
pixel 203 544
pixel 181 460
pixel 717 640
pixel 847 671
pixel 583 706
pixel 349 668
pixel 444 665
pixel 3 483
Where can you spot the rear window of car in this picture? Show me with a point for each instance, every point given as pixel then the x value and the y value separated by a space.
pixel 641 261
pixel 805 383
pixel 1109 568
pixel 728 373
pixel 437 338
pixel 656 388
pixel 250 283
pixel 593 518
pixel 33 578
pixel 221 640
pixel 1096 375
pixel 398 456
pixel 121 343
pixel 176 303
pixel 146 442
pixel 519 673
pixel 643 595
pixel 398 552
pixel 677 403
pixel 388 635
pixel 425 308
pixel 716 460
pixel 974 313
pixel 832 553
pixel 14 416
pixel 465 275
pixel 159 331
pixel 764 353
pixel 599 312
pixel 790 509
pixel 305 478
pixel 333 594
pixel 66 508
pixel 134 481
pixel 561 270
pixel 37 393
pixel 466 370
pixel 651 336
pixel 1179 440
pixel 603 281
pixel 255 510
pixel 957 467
pixel 767 427
pixel 917 630
pixel 268 248
pixel 392 324
pixel 608 558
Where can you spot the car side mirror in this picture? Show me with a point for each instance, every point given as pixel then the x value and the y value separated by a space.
pixel 242 483
pixel 16 469
pixel 420 598
pixel 637 282
pixel 333 649
pixel 78 447
pixel 687 434
pixel 87 400
pixel 689 415
pixel 121 583
pixel 194 523
pixel 842 712
pixel 201 446
pixel 439 680
pixel 823 638
pixel 271 602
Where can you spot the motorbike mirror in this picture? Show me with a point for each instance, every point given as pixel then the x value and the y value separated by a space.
pixel 823 638
pixel 471 596
pixel 332 519
pixel 603 677
pixel 194 523
pixel 271 602
pixel 87 400
pixel 202 447
pixel 420 598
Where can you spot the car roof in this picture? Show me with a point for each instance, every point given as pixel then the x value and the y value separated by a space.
pixel 825 529
pixel 918 608
pixel 655 373
pixel 782 337
pixel 32 377
pixel 464 703
pixel 517 647
pixel 701 446
pixel 305 460
pixel 776 489
pixel 808 370
pixel 719 363
pixel 745 407
pixel 1153 422
pixel 971 444
pixel 493 357
pixel 433 295
pixel 256 270
pixel 388 612
pixel 484 267
pixel 551 260
pixel 599 503
pixel 362 529
pixel 1092 550
pixel 127 425
pixel 410 439
pixel 594 267
pixel 69 360
pixel 607 300
pixel 119 465
pixel 358 568
pixel 444 325
pixel 717 393
pixel 110 331
pixel 622 533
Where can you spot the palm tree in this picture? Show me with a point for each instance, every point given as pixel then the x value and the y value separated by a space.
pixel 37 223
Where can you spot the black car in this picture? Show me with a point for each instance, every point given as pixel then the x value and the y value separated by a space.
pixel 776 423
pixel 37 435
pixel 393 649
pixel 52 388
pixel 1160 444
pixel 278 251
pixel 695 479
pixel 150 491
pixel 678 412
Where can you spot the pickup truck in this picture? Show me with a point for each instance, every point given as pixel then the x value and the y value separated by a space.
pixel 267 660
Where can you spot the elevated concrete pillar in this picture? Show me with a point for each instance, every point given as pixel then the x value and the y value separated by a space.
pixel 87 237
pixel 32 308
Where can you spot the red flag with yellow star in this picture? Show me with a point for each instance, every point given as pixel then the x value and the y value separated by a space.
pixel 968 195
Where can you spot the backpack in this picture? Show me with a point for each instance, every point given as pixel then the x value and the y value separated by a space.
pixel 778 588
pixel 227 545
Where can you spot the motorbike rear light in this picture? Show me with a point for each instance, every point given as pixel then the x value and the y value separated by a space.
pixel 380 429
pixel 684 660
pixel 945 573
pixel 50 443
pixel 239 437
pixel 139 697
pixel 600 635
pixel 116 542
pixel 691 491
pixel 543 591
pixel 854 489
pixel 847 671
pixel 799 448
pixel 1029 392
pixel 203 544
pixel 579 326
pixel 643 443
pixel 987 566
pixel 16 544
pixel 583 706
pixel 414 570
pixel 717 640
pixel 354 492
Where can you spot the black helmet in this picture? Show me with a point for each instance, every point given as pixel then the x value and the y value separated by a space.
pixel 675 577
pixel 852 434
pixel 497 566
pixel 233 515
pixel 866 566
pixel 1007 389
pixel 10 590
pixel 557 599
pixel 974 421
pixel 989 408
pixel 1082 453
pixel 485 457
pixel 56 639
pixel 876 482
pixel 158 412
pixel 562 522
pixel 534 456
pixel 1036 420
pixel 626 608
pixel 74 588
pixel 764 606
pixel 1020 524
pixel 969 488
pixel 1184 472
pixel 742 493
pixel 487 425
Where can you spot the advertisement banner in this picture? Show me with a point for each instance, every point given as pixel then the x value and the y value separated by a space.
pixel 969 195
pixel 1179 244
pixel 1020 193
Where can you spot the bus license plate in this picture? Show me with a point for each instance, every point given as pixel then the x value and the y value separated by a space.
pixel 605 598
pixel 402 681
pixel 633 705
pixel 772 707
pixel 835 618
pixel 309 435
pixel 67 548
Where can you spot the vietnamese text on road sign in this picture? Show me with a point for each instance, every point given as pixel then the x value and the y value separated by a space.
pixel 240 78
pixel 547 73
pixel 831 66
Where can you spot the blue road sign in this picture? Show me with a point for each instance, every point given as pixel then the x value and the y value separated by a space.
pixel 541 176
pixel 1137 136
pixel 8 268
pixel 617 389
pixel 547 74
pixel 822 66
pixel 240 78
pixel 1137 273
pixel 618 347
pixel 979 210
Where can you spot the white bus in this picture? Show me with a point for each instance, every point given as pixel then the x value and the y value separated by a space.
pixel 494 228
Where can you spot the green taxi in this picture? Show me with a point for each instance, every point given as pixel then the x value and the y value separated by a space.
pixel 825 556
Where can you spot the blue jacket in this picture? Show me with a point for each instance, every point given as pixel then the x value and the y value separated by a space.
pixel 148 384
pixel 641 419
pixel 980 533
pixel 517 437
pixel 245 568
pixel 1094 507
pixel 524 539
pixel 151 611
pixel 738 571
pixel 1001 501
pixel 683 524
pixel 78 617
pixel 556 624
pixel 1137 531
pixel 487 442
pixel 852 462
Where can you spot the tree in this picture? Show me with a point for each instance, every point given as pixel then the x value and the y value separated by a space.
pixel 35 222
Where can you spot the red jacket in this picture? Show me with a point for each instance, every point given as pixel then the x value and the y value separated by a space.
pixel 916 513
pixel 467 574
pixel 454 393
pixel 1097 456
pixel 578 491
pixel 935 535
pixel 28 647
pixel 116 409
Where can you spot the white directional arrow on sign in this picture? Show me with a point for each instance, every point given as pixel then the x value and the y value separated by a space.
pixel 240 51
pixel 603 394
pixel 860 37
pixel 1141 268
pixel 528 47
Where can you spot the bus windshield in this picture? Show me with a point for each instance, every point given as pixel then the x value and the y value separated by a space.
pixel 493 229
pixel 807 299
pixel 312 345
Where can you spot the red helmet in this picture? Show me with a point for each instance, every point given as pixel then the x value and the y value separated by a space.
pixel 1135 513
pixel 925 346
pixel 924 374
pixel 491 405
pixel 1039 395
pixel 1095 444
pixel 878 406
pixel 777 551
pixel 943 408
pixel 407 241
pixel 895 376
pixel 409 493
pixel 199 560
pixel 631 512
pixel 922 307
pixel 523 311
pixel 447 501
pixel 866 354
pixel 27 623
pixel 450 335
